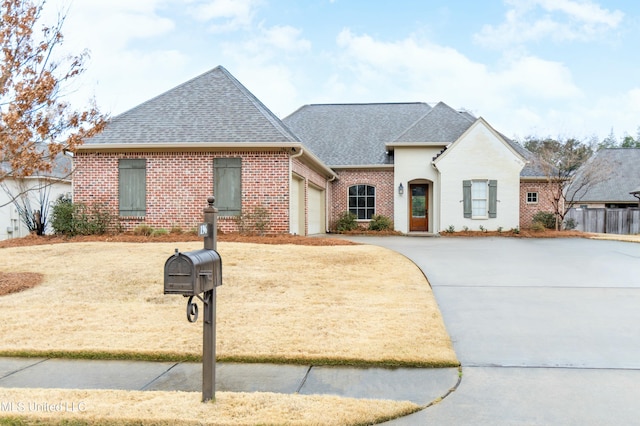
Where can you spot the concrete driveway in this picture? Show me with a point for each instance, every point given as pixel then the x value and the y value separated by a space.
pixel 547 330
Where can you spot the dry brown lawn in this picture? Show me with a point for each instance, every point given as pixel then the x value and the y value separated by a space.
pixel 284 303
pixel 46 406
pixel 281 303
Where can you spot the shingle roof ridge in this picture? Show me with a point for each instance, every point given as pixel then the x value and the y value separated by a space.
pixel 266 112
pixel 440 104
pixel 260 107
pixel 365 103
pixel 160 95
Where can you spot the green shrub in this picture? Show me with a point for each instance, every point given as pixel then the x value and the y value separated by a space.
pixel 62 216
pixel 71 219
pixel 346 222
pixel 570 224
pixel 499 229
pixel 483 229
pixel 450 230
pixel 515 230
pixel 547 219
pixel 380 223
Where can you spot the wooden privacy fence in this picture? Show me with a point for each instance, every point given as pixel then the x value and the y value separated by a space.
pixel 608 221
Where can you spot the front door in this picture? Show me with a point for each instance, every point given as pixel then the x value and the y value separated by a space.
pixel 419 207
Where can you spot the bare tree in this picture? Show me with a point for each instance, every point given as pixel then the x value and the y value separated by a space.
pixel 33 111
pixel 35 217
pixel 570 169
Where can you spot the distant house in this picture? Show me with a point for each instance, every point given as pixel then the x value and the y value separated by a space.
pixel 613 187
pixel 30 192
pixel 426 167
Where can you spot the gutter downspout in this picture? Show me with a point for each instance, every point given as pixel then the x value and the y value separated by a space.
pixel 326 205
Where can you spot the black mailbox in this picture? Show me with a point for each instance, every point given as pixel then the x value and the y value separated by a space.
pixel 192 272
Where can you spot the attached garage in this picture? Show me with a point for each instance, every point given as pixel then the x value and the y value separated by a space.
pixel 296 216
pixel 316 210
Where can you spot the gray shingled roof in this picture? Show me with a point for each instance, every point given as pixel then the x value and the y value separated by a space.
pixel 441 124
pixel 623 176
pixel 353 134
pixel 213 107
pixel 534 167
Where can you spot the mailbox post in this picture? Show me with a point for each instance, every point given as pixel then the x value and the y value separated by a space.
pixel 195 272
pixel 209 326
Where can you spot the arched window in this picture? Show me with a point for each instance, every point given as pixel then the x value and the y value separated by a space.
pixel 362 201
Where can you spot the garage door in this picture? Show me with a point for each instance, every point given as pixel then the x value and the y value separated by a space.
pixel 316 210
pixel 296 218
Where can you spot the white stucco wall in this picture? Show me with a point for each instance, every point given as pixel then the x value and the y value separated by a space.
pixel 479 154
pixel 411 164
pixel 11 225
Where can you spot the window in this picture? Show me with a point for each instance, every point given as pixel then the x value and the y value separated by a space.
pixel 362 201
pixel 532 198
pixel 227 185
pixel 479 199
pixel 132 187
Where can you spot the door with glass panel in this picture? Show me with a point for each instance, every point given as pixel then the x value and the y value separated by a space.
pixel 419 207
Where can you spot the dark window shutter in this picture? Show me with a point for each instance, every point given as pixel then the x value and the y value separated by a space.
pixel 466 198
pixel 228 185
pixel 493 198
pixel 132 187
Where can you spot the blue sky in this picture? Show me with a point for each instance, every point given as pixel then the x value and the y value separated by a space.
pixel 560 68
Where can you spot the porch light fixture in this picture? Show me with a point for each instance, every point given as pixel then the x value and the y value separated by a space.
pixel 400 189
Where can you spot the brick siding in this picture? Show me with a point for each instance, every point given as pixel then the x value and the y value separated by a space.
pixel 382 180
pixel 178 184
pixel 544 204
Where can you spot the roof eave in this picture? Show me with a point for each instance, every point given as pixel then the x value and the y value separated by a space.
pixel 197 146
pixel 415 144
pixel 363 166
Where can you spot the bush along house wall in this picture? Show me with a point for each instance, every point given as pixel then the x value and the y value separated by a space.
pixel 178 184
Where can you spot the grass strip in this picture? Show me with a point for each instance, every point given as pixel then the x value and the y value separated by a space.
pixel 175 357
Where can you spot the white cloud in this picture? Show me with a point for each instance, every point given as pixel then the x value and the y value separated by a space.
pixel 516 94
pixel 559 20
pixel 226 15
pixel 286 38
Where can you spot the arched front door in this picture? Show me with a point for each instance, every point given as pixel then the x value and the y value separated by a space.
pixel 419 207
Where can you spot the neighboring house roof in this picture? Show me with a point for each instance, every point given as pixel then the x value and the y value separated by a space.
pixel 620 168
pixel 62 166
pixel 353 134
pixel 211 108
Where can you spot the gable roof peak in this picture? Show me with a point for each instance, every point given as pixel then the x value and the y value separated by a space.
pixel 209 108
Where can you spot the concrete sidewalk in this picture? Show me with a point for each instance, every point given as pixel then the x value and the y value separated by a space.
pixel 418 385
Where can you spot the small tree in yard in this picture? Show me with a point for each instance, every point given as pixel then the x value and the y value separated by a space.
pixel 569 168
pixel 36 124
pixel 35 217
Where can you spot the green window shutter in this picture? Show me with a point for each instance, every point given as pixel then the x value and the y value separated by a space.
pixel 466 198
pixel 227 186
pixel 132 187
pixel 493 198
